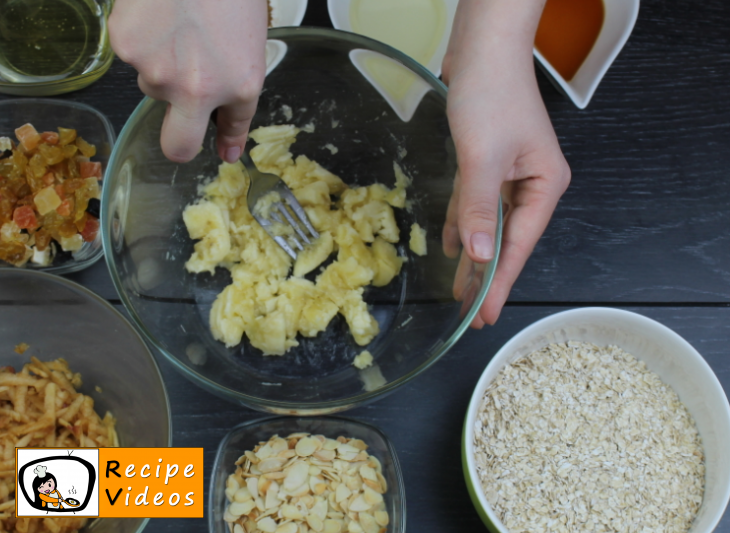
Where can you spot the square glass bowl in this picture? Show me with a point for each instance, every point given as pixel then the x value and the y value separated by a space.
pixel 47 115
pixel 246 436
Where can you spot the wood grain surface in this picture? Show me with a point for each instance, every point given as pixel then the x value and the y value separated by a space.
pixel 644 225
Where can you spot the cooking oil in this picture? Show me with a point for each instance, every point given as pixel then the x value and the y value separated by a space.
pixel 415 27
pixel 49 40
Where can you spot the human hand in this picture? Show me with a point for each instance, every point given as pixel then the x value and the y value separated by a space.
pixel 504 143
pixel 198 56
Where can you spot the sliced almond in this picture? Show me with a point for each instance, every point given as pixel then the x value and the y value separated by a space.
pixel 291 512
pixel 315 522
pixel 272 502
pixel 267 525
pixel 330 444
pixel 325 455
pixel 238 528
pixel 359 504
pixel 307 446
pixel 241 508
pixel 368 523
pixel 252 457
pixel 242 495
pixel 289 527
pixel 272 464
pixel 296 475
pixel 372 497
pixel 252 484
pixel 332 526
pixel 381 518
pixel 342 493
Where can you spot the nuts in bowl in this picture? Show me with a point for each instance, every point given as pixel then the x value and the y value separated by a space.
pixel 313 474
pixel 597 420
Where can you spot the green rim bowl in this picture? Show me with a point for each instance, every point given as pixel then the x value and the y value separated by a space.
pixel 665 353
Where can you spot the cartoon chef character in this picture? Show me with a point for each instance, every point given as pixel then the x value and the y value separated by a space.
pixel 45 489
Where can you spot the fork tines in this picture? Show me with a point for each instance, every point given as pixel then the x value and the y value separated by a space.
pixel 297 219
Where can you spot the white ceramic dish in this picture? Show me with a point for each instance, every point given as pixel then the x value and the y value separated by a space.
pixel 283 13
pixel 287 12
pixel 339 11
pixel 618 23
pixel 667 354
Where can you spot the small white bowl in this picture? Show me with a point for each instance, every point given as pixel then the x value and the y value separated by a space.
pixel 619 20
pixel 339 11
pixel 287 12
pixel 283 13
pixel 665 353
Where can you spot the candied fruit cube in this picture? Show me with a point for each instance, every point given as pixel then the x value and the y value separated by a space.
pixel 90 229
pixel 67 229
pixel 72 244
pixel 37 166
pixel 50 137
pixel 28 137
pixel 42 239
pixel 9 232
pixel 46 200
pixel 49 178
pixel 66 207
pixel 69 150
pixel 51 154
pixel 88 150
pixel 70 185
pixel 15 253
pixel 66 136
pixel 25 217
pixel 90 169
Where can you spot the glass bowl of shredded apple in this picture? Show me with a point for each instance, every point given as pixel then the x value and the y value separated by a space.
pixel 359 132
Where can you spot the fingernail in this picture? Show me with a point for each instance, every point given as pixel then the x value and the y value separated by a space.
pixel 482 246
pixel 232 154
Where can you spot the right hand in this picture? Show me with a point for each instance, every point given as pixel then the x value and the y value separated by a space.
pixel 504 141
pixel 198 56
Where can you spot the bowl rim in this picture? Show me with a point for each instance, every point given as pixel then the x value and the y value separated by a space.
pixel 71 266
pixel 471 478
pixel 52 278
pixel 401 525
pixel 288 407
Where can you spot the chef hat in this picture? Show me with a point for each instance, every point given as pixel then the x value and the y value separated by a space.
pixel 40 471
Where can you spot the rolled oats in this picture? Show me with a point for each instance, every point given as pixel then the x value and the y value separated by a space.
pixel 577 438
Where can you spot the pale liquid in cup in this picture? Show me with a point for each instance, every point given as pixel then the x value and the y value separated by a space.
pixel 47 40
pixel 415 27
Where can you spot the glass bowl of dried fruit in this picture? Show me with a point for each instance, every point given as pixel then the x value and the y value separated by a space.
pixel 326 474
pixel 59 338
pixel 360 134
pixel 53 154
pixel 598 416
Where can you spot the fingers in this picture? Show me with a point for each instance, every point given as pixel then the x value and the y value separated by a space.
pixel 233 123
pixel 183 131
pixel 533 203
pixel 450 240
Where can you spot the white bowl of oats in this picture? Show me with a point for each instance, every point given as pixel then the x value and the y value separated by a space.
pixel 598 420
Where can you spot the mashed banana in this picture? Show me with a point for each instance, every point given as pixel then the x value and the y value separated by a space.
pixel 262 301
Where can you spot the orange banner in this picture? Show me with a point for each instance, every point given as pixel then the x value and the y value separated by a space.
pixel 151 482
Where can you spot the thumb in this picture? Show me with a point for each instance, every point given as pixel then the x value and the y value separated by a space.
pixel 182 133
pixel 478 212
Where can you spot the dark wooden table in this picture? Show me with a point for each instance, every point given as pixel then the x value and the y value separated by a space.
pixel 644 226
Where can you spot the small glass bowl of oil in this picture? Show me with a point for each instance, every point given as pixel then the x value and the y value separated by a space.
pixel 50 47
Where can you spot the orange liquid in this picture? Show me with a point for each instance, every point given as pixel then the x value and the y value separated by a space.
pixel 568 30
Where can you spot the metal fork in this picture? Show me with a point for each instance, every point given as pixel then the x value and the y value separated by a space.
pixel 287 209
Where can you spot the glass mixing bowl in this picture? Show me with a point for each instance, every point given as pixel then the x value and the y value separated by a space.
pixel 375 106
pixel 59 318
